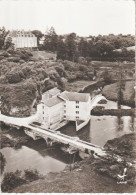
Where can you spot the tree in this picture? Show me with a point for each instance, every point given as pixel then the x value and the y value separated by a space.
pixel 38 34
pixel 3 34
pixel 83 48
pixel 106 77
pixel 8 43
pixel 71 48
pixel 51 39
pixel 61 49
pixel 104 47
pixel 120 85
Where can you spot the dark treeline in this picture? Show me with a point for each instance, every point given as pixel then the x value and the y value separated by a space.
pixel 103 48
pixel 72 47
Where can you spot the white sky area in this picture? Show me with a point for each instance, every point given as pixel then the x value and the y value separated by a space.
pixel 84 17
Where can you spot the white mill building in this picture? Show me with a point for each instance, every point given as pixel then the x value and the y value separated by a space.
pixel 56 107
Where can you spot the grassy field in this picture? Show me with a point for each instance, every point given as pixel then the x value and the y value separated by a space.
pixel 110 92
pixel 43 55
pixel 78 85
pixel 111 64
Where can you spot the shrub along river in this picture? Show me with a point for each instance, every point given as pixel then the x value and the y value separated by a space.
pixel 35 154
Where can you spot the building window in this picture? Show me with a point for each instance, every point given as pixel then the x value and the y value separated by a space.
pixel 77 102
pixel 43 107
pixel 43 118
pixel 77 112
pixel 77 117
pixel 64 111
pixel 77 106
pixel 43 112
pixel 64 105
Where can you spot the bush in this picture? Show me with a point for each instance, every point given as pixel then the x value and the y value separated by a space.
pixel 83 68
pixel 14 179
pixel 71 66
pixel 60 71
pixel 53 74
pixel 29 53
pixel 82 60
pixel 5 54
pixel 11 180
pixel 31 175
pixel 1 57
pixel 13 77
pixel 24 57
pixel 61 83
pixel 11 51
pixel 13 59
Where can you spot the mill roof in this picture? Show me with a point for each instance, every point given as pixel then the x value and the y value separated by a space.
pixel 74 96
pixel 52 101
pixel 53 91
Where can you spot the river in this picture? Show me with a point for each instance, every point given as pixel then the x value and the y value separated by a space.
pixel 37 156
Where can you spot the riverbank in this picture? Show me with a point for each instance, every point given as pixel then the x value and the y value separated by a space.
pixel 99 111
pixel 12 137
pixel 91 175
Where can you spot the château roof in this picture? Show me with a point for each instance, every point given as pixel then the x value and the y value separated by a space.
pixel 74 96
pixel 15 33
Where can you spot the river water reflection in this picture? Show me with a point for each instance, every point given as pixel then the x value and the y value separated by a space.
pixel 27 158
pixel 102 128
pixel 35 156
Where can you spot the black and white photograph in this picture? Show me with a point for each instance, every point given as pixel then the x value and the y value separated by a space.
pixel 67 96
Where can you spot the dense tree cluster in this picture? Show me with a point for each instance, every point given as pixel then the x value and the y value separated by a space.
pixel 70 47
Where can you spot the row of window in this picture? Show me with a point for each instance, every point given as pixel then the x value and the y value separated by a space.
pixel 25 36
pixel 76 106
pixel 77 117
pixel 77 102
pixel 77 112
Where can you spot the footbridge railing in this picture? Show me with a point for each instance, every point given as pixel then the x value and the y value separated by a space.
pixel 95 100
